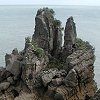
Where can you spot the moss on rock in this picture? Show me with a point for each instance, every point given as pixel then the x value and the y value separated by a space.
pixel 83 45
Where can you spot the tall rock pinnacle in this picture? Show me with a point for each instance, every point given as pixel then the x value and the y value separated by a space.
pixel 46 35
pixel 43 34
pixel 70 36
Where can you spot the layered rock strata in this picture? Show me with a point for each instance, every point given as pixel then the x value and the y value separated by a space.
pixel 48 34
pixel 69 37
pixel 46 70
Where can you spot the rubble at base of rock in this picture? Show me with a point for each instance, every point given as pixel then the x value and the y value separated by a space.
pixel 31 75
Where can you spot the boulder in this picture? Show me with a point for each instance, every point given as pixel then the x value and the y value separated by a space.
pixel 47 76
pixel 71 79
pixel 13 65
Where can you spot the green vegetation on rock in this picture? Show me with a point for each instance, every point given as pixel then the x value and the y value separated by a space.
pixel 57 23
pixel 55 63
pixel 47 13
pixel 28 39
pixel 46 9
pixel 83 45
pixel 37 50
pixel 49 10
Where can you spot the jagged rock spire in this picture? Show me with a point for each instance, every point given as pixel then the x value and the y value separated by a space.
pixel 70 36
pixel 43 34
pixel 46 35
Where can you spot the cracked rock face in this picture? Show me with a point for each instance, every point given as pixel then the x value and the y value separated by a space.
pixel 44 30
pixel 69 37
pixel 47 35
pixel 77 84
pixel 29 74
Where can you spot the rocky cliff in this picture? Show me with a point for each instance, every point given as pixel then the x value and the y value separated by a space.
pixel 46 70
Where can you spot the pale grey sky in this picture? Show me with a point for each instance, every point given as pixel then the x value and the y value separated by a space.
pixel 51 2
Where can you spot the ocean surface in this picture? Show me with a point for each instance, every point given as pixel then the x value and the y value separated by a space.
pixel 17 22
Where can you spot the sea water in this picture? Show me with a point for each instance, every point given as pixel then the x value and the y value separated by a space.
pixel 18 22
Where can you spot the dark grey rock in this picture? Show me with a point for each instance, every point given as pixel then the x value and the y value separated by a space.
pixel 47 35
pixel 4 75
pixel 71 79
pixel 14 67
pixel 69 38
pixel 57 42
pixel 58 97
pixel 44 30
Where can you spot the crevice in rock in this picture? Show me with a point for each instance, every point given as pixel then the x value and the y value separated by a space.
pixel 15 93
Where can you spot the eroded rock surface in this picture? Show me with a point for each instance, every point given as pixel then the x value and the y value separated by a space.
pixel 46 70
pixel 48 34
pixel 69 37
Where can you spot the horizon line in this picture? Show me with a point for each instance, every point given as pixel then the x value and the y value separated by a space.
pixel 43 5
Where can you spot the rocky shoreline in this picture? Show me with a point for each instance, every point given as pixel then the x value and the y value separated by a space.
pixel 46 70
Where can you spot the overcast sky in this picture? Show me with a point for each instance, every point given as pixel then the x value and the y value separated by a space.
pixel 51 2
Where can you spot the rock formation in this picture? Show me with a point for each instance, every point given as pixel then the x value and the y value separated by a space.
pixel 48 34
pixel 69 37
pixel 96 96
pixel 46 70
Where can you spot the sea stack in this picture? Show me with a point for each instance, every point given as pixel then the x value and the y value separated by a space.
pixel 48 34
pixel 46 70
pixel 69 37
